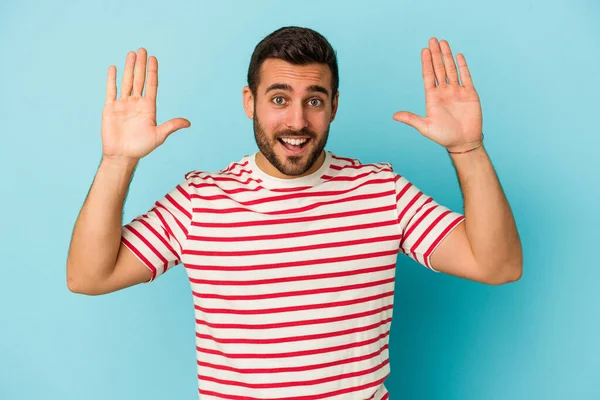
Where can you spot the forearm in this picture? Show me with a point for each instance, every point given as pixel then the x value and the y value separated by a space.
pixel 97 233
pixel 489 221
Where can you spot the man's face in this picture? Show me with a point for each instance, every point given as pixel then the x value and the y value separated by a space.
pixel 291 102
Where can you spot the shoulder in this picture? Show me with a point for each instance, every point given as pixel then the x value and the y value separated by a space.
pixel 234 172
pixel 353 166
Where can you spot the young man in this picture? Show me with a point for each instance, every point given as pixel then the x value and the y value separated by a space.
pixel 291 251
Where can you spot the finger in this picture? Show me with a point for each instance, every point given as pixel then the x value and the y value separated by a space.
pixel 465 74
pixel 152 81
pixel 111 84
pixel 140 72
pixel 451 72
pixel 419 123
pixel 165 129
pixel 128 75
pixel 438 63
pixel 428 74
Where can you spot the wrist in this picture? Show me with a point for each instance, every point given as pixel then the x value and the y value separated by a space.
pixel 465 147
pixel 119 162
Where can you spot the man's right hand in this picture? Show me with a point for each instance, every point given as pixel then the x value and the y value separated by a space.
pixel 129 130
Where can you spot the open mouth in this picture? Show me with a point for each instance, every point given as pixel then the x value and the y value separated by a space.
pixel 296 147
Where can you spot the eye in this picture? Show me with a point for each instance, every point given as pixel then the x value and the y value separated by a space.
pixel 279 100
pixel 315 102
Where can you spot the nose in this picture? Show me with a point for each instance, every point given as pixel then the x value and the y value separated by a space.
pixel 295 118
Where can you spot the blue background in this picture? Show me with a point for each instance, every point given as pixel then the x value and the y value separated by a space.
pixel 535 65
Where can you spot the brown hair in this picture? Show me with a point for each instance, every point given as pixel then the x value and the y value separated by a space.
pixel 296 45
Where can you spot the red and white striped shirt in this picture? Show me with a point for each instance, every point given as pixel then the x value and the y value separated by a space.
pixel 292 279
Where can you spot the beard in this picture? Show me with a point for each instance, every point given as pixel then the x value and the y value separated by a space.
pixel 290 165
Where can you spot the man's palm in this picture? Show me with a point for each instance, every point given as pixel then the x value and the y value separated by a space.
pixel 453 109
pixel 129 127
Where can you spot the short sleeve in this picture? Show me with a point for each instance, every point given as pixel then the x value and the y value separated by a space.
pixel 158 237
pixel 424 223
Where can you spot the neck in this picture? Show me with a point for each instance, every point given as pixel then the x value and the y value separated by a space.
pixel 269 169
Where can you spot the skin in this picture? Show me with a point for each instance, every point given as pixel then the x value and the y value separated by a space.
pixel 485 248
pixel 293 109
pixel 97 262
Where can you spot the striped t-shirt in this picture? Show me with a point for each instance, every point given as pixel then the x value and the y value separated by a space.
pixel 292 279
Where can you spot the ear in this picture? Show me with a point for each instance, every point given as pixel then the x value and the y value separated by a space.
pixel 334 105
pixel 248 100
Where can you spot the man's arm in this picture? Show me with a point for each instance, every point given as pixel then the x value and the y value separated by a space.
pixel 486 246
pixel 97 262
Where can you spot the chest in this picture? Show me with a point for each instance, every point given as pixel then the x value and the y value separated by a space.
pixel 290 238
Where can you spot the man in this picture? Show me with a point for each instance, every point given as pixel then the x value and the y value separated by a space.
pixel 291 251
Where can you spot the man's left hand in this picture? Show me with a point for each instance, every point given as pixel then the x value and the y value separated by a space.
pixel 453 110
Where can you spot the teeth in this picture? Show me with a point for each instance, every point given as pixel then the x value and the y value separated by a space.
pixel 295 142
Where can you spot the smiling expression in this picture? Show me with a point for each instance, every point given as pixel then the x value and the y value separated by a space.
pixel 293 102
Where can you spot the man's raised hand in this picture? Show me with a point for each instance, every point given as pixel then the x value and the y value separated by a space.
pixel 453 109
pixel 129 129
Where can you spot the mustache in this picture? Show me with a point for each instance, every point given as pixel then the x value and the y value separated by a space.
pixel 292 133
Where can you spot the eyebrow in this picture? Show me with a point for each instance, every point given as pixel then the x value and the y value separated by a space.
pixel 285 86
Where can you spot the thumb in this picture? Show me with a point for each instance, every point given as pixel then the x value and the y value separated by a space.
pixel 172 125
pixel 411 119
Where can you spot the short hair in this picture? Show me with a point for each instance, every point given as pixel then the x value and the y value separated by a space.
pixel 296 45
